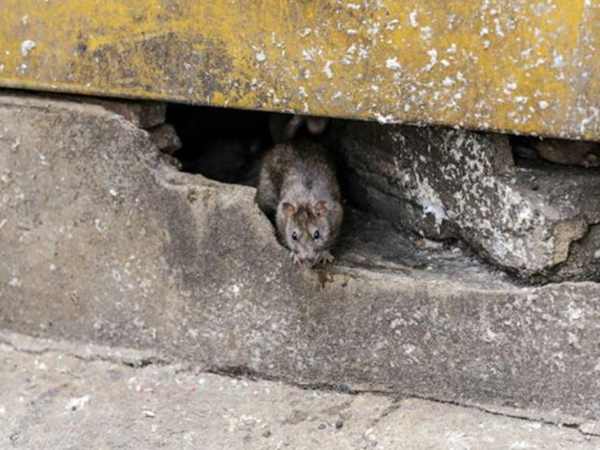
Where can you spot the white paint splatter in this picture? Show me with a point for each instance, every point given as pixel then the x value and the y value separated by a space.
pixel 327 69
pixel 543 104
pixel 499 31
pixel 384 119
pixel 433 59
pixel 349 56
pixel 559 60
pixel 27 46
pixel 363 52
pixel 261 56
pixel 426 33
pixel 448 82
pixel 392 24
pixel 373 29
pixel 413 19
pixel 393 64
pixel 510 87
pixel 308 54
pixel 585 122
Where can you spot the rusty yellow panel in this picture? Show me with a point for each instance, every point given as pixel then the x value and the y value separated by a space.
pixel 512 65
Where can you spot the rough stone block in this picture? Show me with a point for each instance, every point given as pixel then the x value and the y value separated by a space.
pixel 446 183
pixel 76 387
pixel 102 242
pixel 141 114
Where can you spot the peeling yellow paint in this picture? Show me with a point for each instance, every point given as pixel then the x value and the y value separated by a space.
pixel 509 65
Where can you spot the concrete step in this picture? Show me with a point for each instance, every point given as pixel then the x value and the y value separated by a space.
pixel 59 396
pixel 104 242
pixel 534 219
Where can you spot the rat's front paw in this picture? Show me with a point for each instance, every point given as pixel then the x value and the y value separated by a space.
pixel 326 257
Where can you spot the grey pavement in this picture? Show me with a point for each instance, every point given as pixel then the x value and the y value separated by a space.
pixel 73 396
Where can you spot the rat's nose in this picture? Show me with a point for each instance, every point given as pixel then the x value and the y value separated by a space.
pixel 312 260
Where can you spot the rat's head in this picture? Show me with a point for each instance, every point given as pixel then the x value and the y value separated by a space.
pixel 307 230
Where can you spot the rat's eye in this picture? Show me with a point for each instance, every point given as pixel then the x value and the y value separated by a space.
pixel 295 236
pixel 316 235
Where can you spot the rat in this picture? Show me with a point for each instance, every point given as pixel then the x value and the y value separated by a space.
pixel 298 188
pixel 574 153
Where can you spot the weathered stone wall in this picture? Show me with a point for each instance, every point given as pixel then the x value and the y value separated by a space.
pixel 443 183
pixel 102 241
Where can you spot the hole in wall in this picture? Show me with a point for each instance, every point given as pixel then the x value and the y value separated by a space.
pixel 227 145
pixel 220 143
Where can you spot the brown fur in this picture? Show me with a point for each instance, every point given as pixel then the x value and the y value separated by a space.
pixel 298 188
pixel 574 153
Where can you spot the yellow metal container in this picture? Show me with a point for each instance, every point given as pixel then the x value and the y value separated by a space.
pixel 510 65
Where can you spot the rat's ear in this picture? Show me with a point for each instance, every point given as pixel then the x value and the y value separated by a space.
pixel 291 129
pixel 321 208
pixel 316 125
pixel 288 209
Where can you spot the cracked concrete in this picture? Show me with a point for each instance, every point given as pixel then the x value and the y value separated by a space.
pixel 132 358
pixel 85 352
pixel 444 183
pixel 59 395
pixel 104 243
